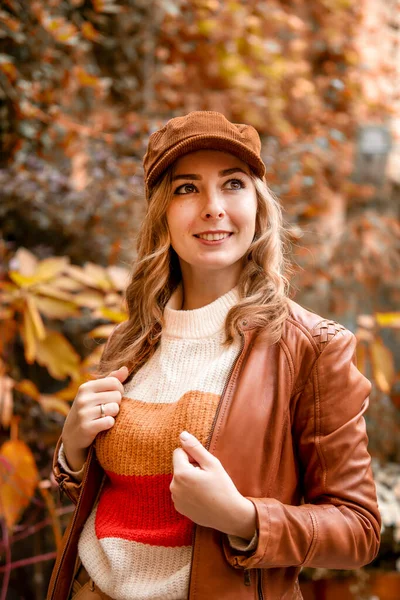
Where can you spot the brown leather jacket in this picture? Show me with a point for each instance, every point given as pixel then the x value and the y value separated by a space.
pixel 289 431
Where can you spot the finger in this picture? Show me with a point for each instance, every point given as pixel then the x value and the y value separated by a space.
pixel 180 461
pixel 95 426
pixel 105 384
pixel 96 398
pixel 121 374
pixel 196 450
pixel 111 409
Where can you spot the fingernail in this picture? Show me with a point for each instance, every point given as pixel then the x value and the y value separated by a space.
pixel 184 436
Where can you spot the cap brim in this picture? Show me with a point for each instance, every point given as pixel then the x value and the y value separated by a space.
pixel 206 142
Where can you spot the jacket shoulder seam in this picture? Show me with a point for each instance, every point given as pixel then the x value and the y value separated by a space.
pixel 305 332
pixel 289 359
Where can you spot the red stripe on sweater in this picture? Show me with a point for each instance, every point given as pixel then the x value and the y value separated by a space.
pixel 140 509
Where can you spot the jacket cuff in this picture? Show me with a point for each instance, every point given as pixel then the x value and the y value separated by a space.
pixel 62 461
pixel 66 482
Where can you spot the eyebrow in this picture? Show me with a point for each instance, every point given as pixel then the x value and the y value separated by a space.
pixel 222 173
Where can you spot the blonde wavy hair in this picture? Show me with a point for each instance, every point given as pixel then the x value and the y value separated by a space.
pixel 263 286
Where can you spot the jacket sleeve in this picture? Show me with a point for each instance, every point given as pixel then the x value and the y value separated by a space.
pixel 338 526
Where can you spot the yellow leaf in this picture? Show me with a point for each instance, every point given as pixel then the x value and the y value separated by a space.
pixel 44 271
pixel 53 404
pixel 382 365
pixel 18 480
pixel 388 319
pixel 114 315
pixel 99 275
pixel 66 284
pixel 103 331
pixel 56 309
pixel 29 337
pixel 89 299
pixel 22 281
pixel 91 275
pixel 50 267
pixel 58 356
pixel 34 314
pixel 47 289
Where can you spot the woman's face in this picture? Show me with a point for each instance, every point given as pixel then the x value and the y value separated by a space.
pixel 212 212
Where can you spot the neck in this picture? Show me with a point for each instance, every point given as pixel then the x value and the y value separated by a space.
pixel 200 289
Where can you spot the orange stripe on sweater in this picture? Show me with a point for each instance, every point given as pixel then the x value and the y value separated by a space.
pixel 140 509
pixel 145 434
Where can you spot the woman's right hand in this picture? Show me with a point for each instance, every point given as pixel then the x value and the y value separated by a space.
pixel 85 420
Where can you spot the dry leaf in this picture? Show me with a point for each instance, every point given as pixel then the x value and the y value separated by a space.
pixel 18 480
pixel 56 309
pixel 382 365
pixel 58 356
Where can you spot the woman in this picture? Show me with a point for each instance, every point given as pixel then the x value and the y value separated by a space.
pixel 223 445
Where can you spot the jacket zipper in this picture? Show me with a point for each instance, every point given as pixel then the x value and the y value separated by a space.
pixel 260 592
pixel 207 446
pixel 74 519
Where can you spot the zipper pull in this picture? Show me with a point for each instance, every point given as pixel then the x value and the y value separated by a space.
pixel 247 577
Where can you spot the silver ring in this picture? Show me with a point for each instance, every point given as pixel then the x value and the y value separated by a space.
pixel 102 412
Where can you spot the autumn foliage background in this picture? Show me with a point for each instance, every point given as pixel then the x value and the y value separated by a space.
pixel 83 83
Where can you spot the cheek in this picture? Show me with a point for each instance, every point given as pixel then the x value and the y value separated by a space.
pixel 178 221
pixel 245 217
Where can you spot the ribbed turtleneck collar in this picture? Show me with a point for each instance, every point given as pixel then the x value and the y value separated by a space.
pixel 201 322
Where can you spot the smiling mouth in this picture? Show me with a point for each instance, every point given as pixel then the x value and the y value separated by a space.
pixel 213 237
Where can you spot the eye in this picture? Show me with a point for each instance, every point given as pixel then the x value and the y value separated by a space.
pixel 236 184
pixel 186 188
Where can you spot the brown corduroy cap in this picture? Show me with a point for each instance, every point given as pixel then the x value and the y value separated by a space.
pixel 200 130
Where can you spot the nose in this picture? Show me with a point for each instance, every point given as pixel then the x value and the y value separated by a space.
pixel 213 207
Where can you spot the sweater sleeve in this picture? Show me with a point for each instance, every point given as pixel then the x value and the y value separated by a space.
pixel 62 461
pixel 338 526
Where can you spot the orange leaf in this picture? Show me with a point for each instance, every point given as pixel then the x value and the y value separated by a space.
pixel 361 355
pixel 382 365
pixel 89 32
pixel 26 386
pixel 18 480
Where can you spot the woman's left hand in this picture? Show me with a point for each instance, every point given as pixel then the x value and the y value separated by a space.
pixel 203 491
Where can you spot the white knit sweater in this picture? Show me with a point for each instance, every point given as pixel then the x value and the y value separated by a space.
pixel 135 546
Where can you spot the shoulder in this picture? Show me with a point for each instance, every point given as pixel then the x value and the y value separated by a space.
pixel 306 336
pixel 314 329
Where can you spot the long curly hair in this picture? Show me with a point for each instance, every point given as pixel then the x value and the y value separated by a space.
pixel 263 286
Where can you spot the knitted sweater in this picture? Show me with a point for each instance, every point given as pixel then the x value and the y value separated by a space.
pixel 135 545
